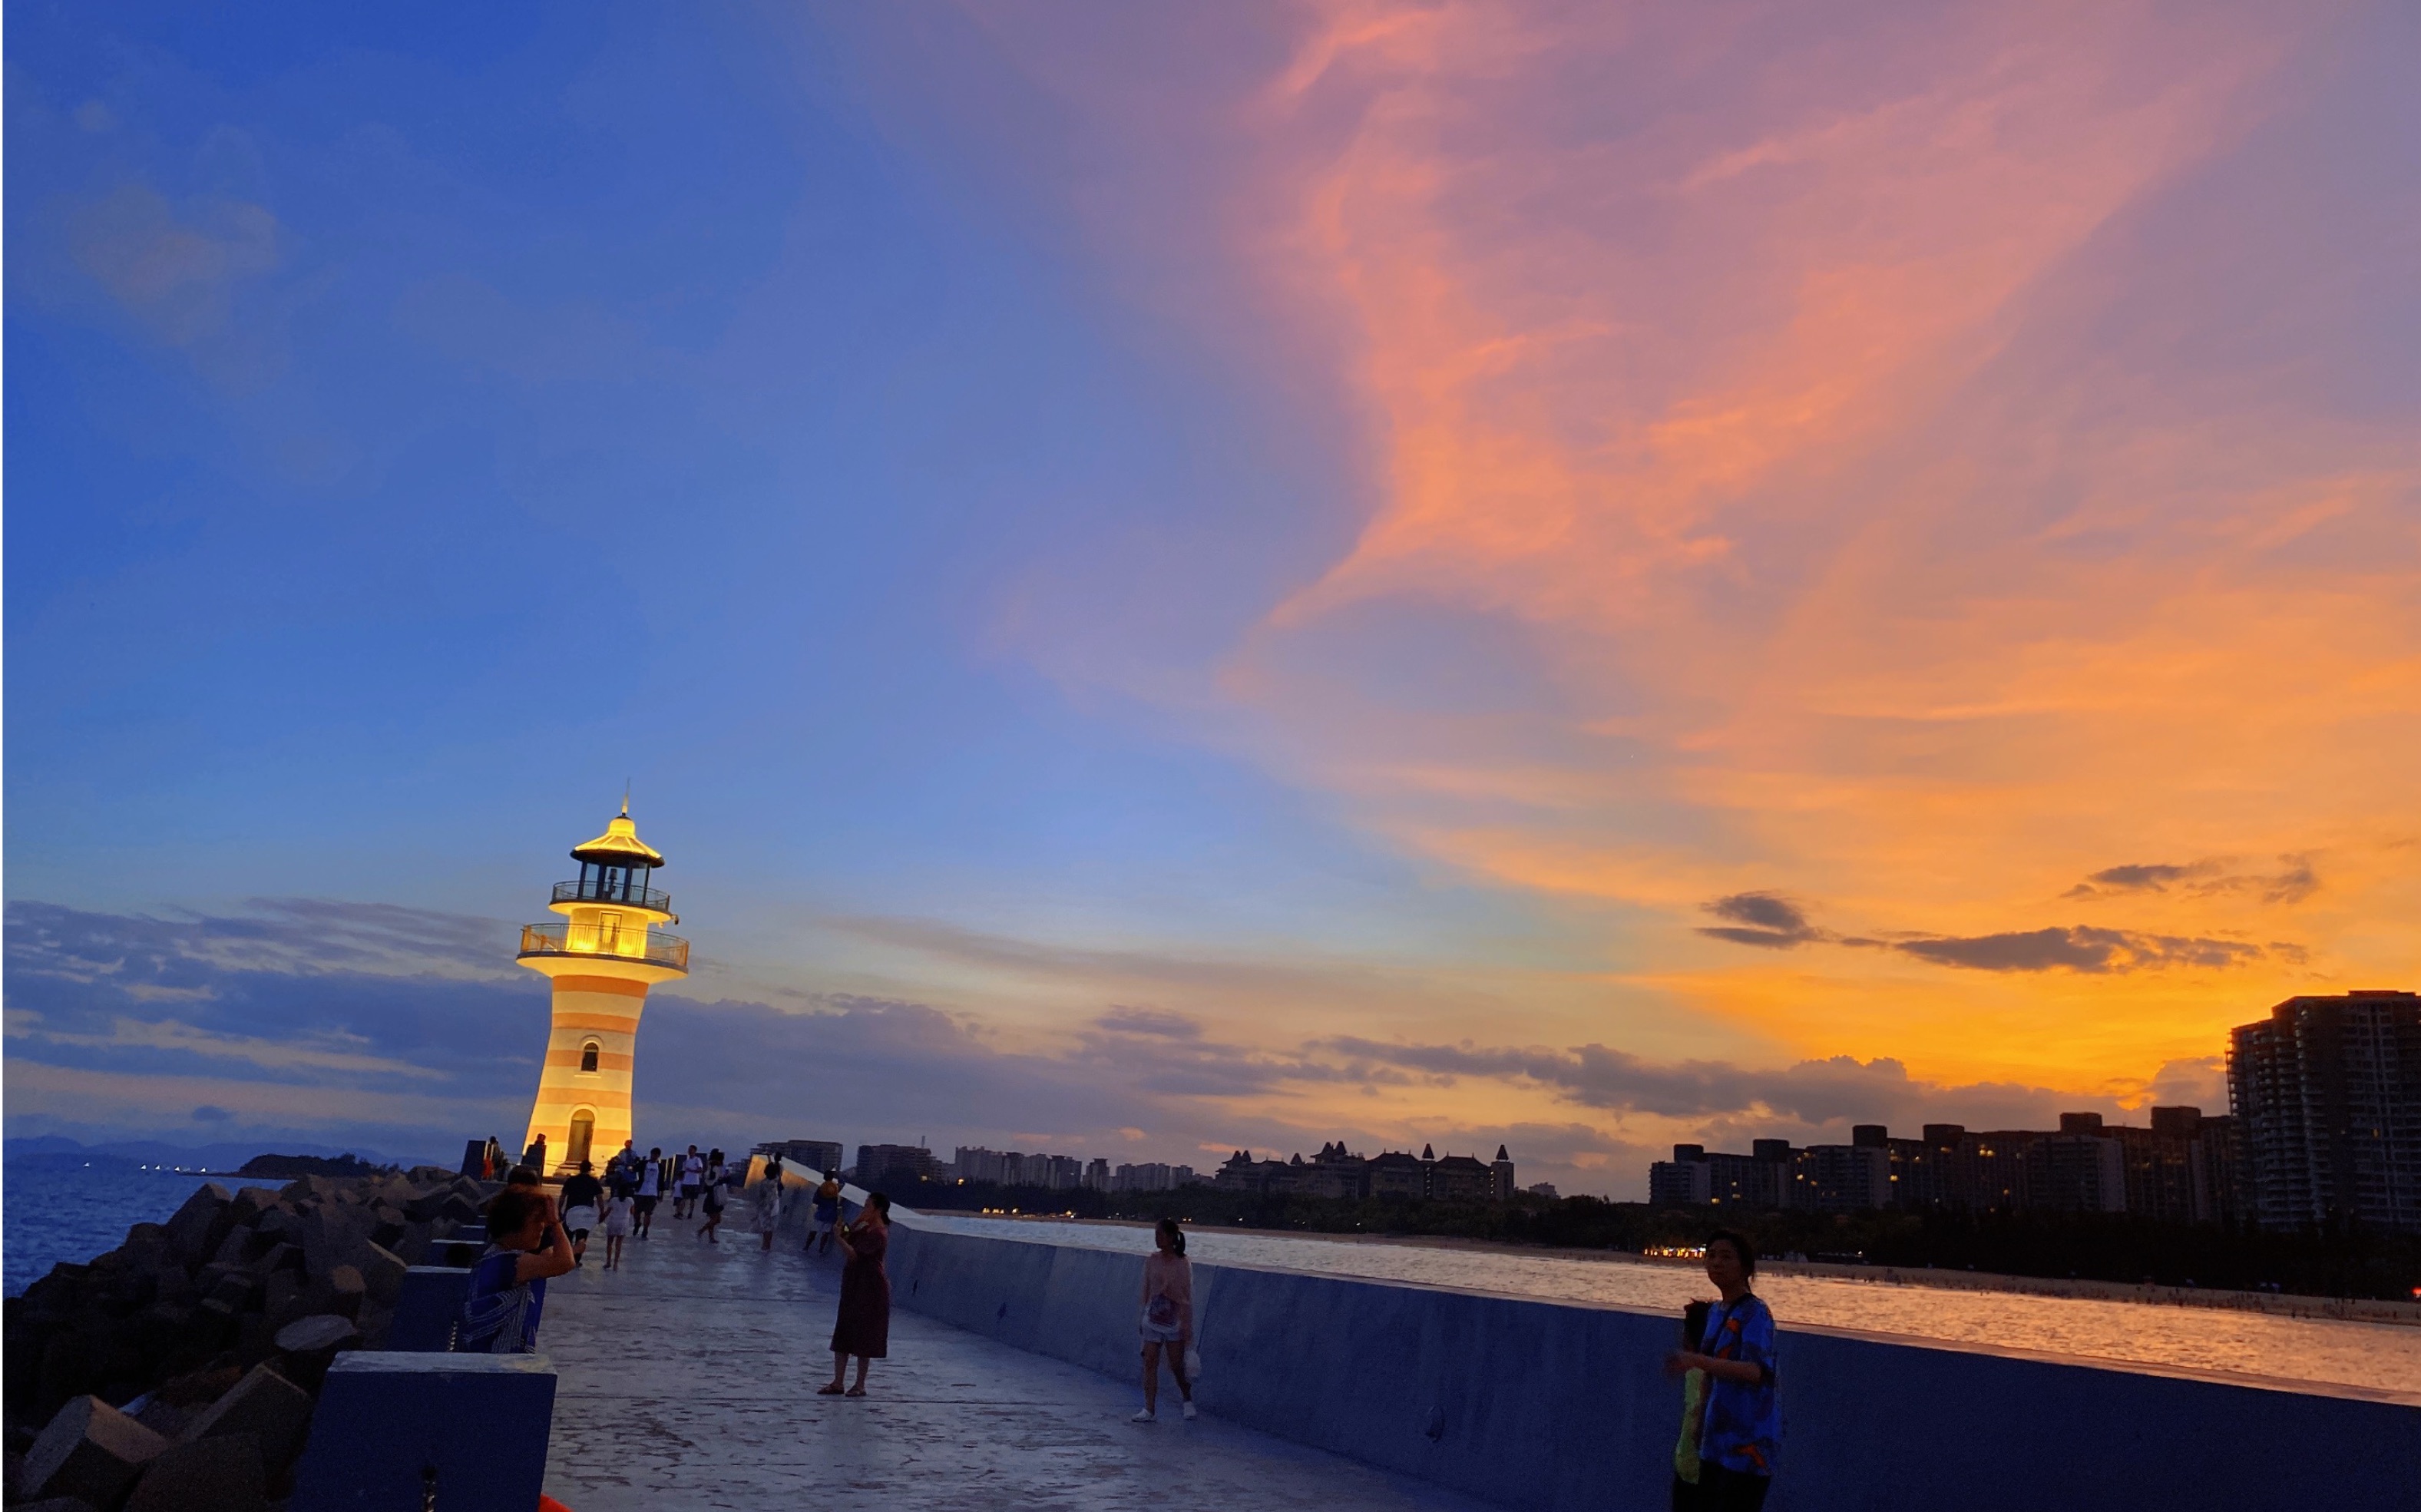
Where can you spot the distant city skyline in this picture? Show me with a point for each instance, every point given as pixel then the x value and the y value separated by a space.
pixel 1581 581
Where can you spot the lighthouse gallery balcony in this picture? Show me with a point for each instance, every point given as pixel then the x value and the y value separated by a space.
pixel 614 887
pixel 567 938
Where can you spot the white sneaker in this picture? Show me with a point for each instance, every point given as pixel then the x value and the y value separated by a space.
pixel 1147 1415
pixel 1189 1412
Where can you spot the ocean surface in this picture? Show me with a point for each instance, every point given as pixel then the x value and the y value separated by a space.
pixel 56 1208
pixel 2257 1347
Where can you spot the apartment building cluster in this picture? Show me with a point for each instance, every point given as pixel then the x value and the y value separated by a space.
pixel 898 1165
pixel 1336 1171
pixel 2324 1123
pixel 2181 1167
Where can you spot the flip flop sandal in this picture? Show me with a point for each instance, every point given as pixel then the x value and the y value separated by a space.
pixel 855 1391
pixel 828 1391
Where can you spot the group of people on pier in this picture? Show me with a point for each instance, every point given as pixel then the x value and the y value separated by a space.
pixel 1730 1422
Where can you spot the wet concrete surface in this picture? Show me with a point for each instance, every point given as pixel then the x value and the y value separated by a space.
pixel 688 1379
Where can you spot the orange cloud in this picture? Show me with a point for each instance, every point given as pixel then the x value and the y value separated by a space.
pixel 1767 390
pixel 1899 461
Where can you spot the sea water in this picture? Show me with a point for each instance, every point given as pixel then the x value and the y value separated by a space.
pixel 2255 1347
pixel 56 1208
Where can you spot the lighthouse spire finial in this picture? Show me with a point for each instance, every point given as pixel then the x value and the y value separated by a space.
pixel 626 797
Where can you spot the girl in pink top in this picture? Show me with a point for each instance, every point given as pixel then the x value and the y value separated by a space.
pixel 1167 1318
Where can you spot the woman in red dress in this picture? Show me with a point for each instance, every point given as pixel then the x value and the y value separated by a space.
pixel 864 1329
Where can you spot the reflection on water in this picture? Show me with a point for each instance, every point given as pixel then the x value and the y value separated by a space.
pixel 2365 1355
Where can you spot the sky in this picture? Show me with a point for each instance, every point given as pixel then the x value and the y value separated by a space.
pixel 1175 580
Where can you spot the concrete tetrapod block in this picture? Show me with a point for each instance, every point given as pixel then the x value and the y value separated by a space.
pixel 216 1475
pixel 381 1274
pixel 428 1306
pixel 389 1424
pixel 90 1450
pixel 309 1344
pixel 264 1405
pixel 194 1231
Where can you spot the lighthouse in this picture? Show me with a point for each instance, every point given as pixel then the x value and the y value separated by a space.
pixel 603 955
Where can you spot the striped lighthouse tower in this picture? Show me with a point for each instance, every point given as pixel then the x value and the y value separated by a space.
pixel 603 955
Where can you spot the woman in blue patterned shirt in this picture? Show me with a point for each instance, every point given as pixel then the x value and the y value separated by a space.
pixel 1743 1426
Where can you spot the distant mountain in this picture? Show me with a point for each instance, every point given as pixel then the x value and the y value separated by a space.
pixel 53 1149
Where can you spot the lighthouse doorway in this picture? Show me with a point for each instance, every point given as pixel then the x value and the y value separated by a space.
pixel 583 1133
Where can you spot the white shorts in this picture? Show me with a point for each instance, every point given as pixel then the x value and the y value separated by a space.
pixel 1160 1333
pixel 576 1219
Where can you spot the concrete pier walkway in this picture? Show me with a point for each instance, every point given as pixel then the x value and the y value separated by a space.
pixel 688 1379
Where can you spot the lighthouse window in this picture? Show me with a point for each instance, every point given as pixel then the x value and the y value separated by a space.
pixel 589 1056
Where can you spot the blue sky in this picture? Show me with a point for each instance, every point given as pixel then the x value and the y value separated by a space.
pixel 1114 556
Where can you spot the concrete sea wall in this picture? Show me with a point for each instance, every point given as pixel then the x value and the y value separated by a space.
pixel 1537 1404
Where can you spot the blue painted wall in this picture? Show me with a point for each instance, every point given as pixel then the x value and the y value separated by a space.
pixel 1555 1406
pixel 385 1419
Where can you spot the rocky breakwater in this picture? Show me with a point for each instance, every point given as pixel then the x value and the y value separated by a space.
pixel 180 1369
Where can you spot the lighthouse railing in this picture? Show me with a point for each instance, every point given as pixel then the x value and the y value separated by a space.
pixel 630 942
pixel 629 894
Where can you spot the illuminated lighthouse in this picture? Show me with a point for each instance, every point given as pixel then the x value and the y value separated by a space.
pixel 602 956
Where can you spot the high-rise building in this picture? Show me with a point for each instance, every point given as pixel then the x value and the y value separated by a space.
pixel 601 958
pixel 2220 1181
pixel 895 1165
pixel 819 1155
pixel 1683 1182
pixel 1922 1170
pixel 1839 1179
pixel 2327 1095
pixel 2074 1172
pixel 1758 1182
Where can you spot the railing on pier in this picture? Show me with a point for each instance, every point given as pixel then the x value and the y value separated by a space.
pixel 631 941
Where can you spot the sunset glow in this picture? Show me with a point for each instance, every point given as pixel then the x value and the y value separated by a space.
pixel 1574 576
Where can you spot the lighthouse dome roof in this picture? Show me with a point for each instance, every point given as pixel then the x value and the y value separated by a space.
pixel 619 846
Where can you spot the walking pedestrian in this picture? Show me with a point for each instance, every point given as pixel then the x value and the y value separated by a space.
pixel 1741 1428
pixel 582 1195
pixel 769 1197
pixel 693 1176
pixel 526 1245
pixel 617 1226
pixel 1167 1322
pixel 864 1326
pixel 492 1167
pixel 827 1215
pixel 1693 1406
pixel 710 1197
pixel 651 1191
pixel 535 1157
